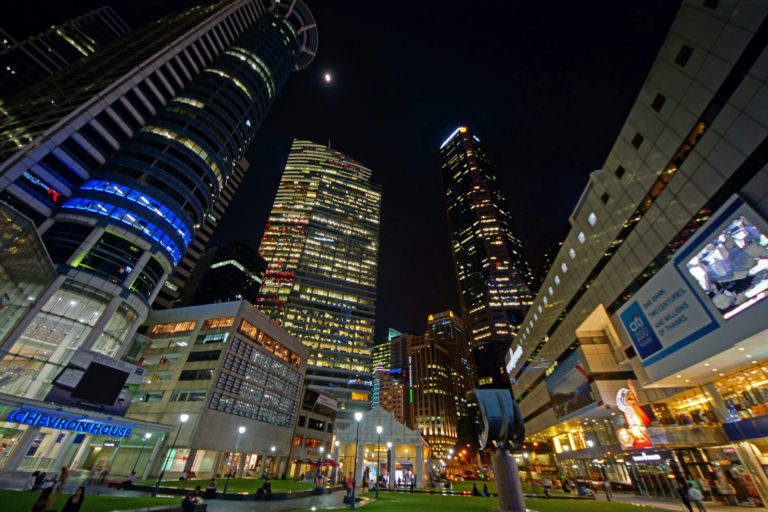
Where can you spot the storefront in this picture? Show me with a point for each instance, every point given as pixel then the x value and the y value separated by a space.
pixel 37 436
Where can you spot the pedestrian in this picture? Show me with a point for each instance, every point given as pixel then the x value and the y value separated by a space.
pixel 189 503
pixel 266 489
pixel 350 484
pixel 210 491
pixel 29 484
pixel 475 491
pixel 607 488
pixel 39 481
pixel 75 501
pixel 548 488
pixel 695 496
pixel 683 494
pixel 63 479
pixel 45 501
pixel 485 490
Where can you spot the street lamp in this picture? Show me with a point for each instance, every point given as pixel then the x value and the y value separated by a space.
pixel 240 432
pixel 319 465
pixel 182 420
pixel 147 435
pixel 358 419
pixel 378 461
pixel 336 468
pixel 390 463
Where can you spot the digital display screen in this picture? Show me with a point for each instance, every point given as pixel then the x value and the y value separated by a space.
pixel 100 383
pixel 732 269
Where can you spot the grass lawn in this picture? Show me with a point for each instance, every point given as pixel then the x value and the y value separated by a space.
pixel 420 502
pixel 237 484
pixel 527 487
pixel 24 500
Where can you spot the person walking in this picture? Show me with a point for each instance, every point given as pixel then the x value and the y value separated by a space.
pixel 75 501
pixel 63 479
pixel 682 492
pixel 696 497
pixel 607 489
pixel 548 488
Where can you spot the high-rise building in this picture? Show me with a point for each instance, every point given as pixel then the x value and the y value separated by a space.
pixel 492 272
pixel 662 279
pixel 121 173
pixel 25 63
pixel 448 330
pixel 233 271
pixel 380 365
pixel 321 245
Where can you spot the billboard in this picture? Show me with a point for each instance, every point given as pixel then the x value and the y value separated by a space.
pixel 96 382
pixel 569 387
pixel 710 295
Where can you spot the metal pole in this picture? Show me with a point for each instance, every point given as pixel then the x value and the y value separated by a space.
pixel 165 461
pixel 378 465
pixel 139 456
pixel 354 475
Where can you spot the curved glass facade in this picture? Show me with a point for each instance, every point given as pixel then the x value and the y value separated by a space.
pixel 165 179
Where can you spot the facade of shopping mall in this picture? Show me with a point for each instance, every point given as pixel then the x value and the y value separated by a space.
pixel 644 358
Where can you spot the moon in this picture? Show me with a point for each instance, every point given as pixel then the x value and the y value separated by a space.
pixel 327 77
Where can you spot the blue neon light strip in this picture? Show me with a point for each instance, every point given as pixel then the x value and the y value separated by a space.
pixel 144 201
pixel 64 421
pixel 110 210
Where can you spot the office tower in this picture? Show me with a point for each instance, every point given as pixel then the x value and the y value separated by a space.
pixel 321 245
pixel 176 285
pixel 432 393
pixel 121 173
pixel 26 63
pixel 492 272
pixel 227 272
pixel 380 365
pixel 448 330
pixel 662 277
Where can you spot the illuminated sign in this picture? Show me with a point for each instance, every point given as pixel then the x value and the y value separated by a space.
pixel 514 357
pixel 644 458
pixel 41 186
pixel 37 418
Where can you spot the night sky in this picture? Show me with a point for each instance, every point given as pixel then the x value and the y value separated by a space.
pixel 545 85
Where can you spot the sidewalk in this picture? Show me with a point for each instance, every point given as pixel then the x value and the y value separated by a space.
pixel 672 504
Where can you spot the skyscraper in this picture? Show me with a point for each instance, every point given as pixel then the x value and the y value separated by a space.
pixel 321 245
pixel 121 173
pixel 492 272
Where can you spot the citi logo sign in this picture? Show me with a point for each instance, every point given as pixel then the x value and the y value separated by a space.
pixel 636 323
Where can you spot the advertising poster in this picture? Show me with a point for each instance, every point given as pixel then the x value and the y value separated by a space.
pixel 710 295
pixel 569 387
pixel 96 382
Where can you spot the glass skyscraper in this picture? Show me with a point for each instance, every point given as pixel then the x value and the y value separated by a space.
pixel 321 245
pixel 121 172
pixel 493 274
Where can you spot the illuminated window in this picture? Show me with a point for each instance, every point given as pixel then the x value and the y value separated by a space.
pixel 313 443
pixel 218 323
pixel 582 238
pixel 564 267
pixel 572 254
pixel 592 219
pixel 173 327
pixel 359 396
pixel 297 441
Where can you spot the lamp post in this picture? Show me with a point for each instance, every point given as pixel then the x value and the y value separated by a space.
pixel 390 462
pixel 147 435
pixel 450 456
pixel 240 432
pixel 358 419
pixel 182 420
pixel 336 468
pixel 378 459
pixel 272 451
